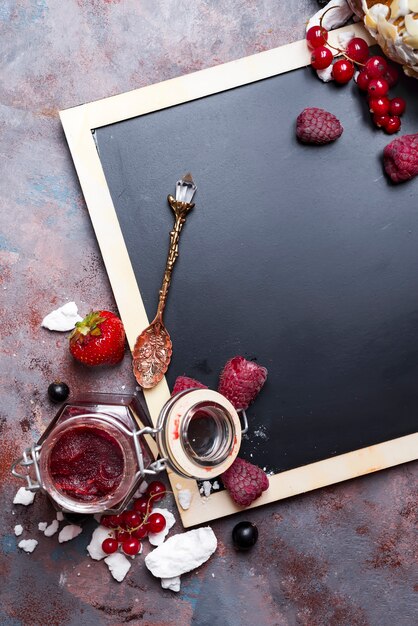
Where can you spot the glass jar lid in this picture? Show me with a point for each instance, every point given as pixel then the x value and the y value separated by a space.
pixel 199 433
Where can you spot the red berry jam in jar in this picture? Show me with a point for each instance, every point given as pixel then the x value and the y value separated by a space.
pixel 96 451
pixel 86 463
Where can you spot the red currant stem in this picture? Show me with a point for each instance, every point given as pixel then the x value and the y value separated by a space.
pixel 146 516
pixel 324 14
pixel 326 42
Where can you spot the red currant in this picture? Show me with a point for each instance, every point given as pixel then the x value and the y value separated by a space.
pixel 376 67
pixel 363 80
pixel 142 505
pixel 392 75
pixel 132 546
pixel 140 533
pixel 358 50
pixel 397 106
pixel 380 120
pixel 109 546
pixel 156 523
pixel 122 535
pixel 379 106
pixel 316 36
pixel 321 58
pixel 156 491
pixel 342 71
pixel 107 521
pixel 392 125
pixel 132 519
pixel 377 87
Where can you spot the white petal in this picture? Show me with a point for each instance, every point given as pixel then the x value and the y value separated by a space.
pixel 118 565
pixel 69 532
pixel 185 498
pixel 52 528
pixel 62 319
pixel 171 583
pixel 333 19
pixel 182 553
pixel 95 546
pixel 28 545
pixel 326 74
pixel 24 496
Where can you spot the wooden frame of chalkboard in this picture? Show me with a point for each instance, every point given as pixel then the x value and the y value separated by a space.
pixel 80 123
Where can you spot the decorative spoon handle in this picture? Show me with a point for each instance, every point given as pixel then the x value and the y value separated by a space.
pixel 181 210
pixel 153 348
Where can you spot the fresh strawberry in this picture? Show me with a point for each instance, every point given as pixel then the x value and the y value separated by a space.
pixel 245 482
pixel 400 158
pixel 241 380
pixel 99 339
pixel 318 126
pixel 184 382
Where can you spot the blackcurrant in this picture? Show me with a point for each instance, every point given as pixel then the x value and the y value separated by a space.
pixel 244 535
pixel 58 391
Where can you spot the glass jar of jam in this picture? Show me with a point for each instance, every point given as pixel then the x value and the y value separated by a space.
pixel 97 450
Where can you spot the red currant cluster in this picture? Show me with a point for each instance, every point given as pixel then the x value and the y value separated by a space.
pixel 131 526
pixel 375 77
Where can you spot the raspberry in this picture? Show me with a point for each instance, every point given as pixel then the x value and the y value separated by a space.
pixel 400 158
pixel 245 482
pixel 318 126
pixel 241 380
pixel 184 382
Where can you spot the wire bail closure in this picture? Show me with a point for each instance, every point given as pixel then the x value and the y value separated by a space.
pixel 31 455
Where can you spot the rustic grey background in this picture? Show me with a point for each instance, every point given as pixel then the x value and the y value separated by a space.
pixel 343 556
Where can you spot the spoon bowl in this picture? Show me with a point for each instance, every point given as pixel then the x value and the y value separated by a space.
pixel 152 354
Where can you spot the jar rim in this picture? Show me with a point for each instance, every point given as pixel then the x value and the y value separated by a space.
pixel 172 438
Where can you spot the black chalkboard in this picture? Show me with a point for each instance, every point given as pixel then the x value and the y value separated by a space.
pixel 304 258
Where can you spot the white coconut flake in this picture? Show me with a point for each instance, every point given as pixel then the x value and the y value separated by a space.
pixel 118 565
pixel 28 545
pixel 207 488
pixel 60 516
pixel 215 486
pixel 173 584
pixel 182 553
pixel 339 15
pixel 95 546
pixel 326 74
pixel 156 539
pixel 62 319
pixel 51 529
pixel 185 498
pixel 18 530
pixel 24 496
pixel 141 489
pixel 69 532
pixel 344 39
pixel 42 526
pixel 261 433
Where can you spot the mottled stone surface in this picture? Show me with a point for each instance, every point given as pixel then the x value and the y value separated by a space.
pixel 342 556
